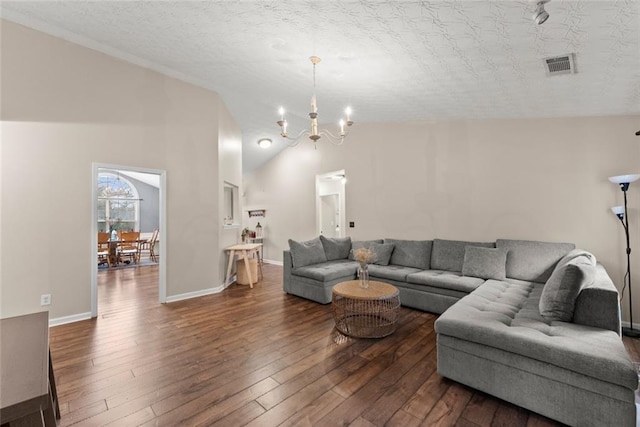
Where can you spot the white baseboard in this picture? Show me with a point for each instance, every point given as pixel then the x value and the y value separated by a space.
pixel 85 316
pixel 196 294
pixel 69 319
pixel 231 281
pixel 626 324
pixel 270 261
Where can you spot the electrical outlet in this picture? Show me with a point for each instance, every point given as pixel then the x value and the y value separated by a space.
pixel 45 299
pixel 352 224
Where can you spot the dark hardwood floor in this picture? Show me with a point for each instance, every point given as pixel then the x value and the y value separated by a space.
pixel 254 357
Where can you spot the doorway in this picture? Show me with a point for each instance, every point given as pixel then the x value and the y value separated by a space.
pixel 129 215
pixel 330 204
pixel 330 215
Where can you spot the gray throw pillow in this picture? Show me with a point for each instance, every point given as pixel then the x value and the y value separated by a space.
pixel 558 298
pixel 448 255
pixel 485 263
pixel 382 253
pixel 336 247
pixel 578 255
pixel 361 244
pixel 307 253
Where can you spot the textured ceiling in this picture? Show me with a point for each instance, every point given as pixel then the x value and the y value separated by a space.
pixel 391 61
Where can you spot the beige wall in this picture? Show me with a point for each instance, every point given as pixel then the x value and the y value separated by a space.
pixel 230 152
pixel 478 180
pixel 65 107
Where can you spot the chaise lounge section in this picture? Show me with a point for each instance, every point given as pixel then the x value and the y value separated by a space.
pixel 533 323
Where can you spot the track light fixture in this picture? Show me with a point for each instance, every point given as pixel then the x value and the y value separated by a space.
pixel 541 15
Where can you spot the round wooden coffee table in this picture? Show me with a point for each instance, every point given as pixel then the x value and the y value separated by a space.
pixel 365 312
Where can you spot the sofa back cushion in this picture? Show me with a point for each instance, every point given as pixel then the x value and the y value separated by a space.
pixel 558 298
pixel 485 263
pixel 531 260
pixel 307 253
pixel 411 253
pixel 448 255
pixel 336 247
pixel 381 251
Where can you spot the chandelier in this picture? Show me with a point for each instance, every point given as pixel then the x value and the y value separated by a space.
pixel 314 134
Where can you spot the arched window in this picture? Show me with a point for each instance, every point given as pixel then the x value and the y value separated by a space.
pixel 118 203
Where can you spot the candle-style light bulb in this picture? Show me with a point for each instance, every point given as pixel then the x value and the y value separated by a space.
pixel 348 113
pixel 281 112
pixel 284 127
pixel 314 104
pixel 341 126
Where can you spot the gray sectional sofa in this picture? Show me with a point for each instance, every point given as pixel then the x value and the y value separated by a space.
pixel 533 323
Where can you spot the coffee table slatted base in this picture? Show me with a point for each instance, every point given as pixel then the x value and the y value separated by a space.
pixel 366 318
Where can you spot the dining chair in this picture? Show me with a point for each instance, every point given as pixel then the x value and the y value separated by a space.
pixel 103 249
pixel 130 245
pixel 149 246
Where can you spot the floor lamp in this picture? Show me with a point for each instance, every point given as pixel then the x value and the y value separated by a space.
pixel 621 212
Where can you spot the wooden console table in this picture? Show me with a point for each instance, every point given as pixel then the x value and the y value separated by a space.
pixel 244 251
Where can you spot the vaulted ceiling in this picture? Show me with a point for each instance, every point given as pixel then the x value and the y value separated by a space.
pixel 389 60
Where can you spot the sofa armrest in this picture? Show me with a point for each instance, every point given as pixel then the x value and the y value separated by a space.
pixel 598 304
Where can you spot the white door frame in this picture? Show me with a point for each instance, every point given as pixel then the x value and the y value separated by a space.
pixel 162 285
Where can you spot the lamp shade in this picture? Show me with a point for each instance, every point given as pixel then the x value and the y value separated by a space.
pixel 624 179
pixel 618 211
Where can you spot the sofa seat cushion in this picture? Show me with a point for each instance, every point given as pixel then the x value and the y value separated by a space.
pixel 531 260
pixel 391 272
pixel 327 271
pixel 505 315
pixel 445 279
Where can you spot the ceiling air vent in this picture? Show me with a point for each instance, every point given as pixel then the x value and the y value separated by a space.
pixel 557 65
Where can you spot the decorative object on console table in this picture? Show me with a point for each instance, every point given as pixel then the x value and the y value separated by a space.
pixel 364 256
pixel 621 212
pixel 245 234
